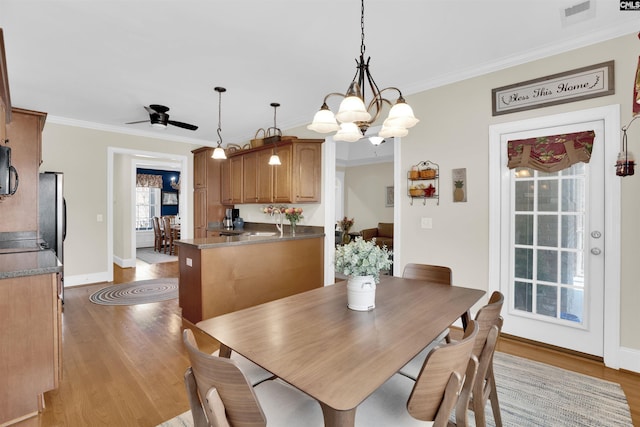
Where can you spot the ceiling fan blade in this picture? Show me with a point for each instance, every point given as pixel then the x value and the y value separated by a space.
pixel 140 121
pixel 183 125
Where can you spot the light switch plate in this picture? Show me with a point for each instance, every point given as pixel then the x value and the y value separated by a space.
pixel 426 223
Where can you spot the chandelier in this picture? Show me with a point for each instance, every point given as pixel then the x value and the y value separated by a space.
pixel 354 117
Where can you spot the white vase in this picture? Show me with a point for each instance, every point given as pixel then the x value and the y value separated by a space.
pixel 361 293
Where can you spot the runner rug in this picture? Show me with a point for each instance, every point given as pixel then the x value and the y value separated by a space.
pixel 537 394
pixel 139 292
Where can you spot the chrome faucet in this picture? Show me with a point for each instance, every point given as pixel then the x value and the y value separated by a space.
pixel 279 221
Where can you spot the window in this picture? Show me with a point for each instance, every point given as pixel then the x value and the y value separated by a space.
pixel 147 206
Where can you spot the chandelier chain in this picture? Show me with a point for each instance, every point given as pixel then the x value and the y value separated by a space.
pixel 362 46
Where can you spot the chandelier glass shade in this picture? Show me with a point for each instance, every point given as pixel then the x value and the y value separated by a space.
pixel 218 152
pixel 354 115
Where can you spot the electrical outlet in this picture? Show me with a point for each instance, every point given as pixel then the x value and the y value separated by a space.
pixel 426 223
pixel 189 262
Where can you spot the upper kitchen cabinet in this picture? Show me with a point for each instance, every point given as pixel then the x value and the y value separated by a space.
pixel 20 210
pixel 207 198
pixel 296 180
pixel 5 98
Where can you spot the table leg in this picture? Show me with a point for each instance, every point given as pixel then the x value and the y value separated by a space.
pixel 224 351
pixel 335 418
pixel 466 316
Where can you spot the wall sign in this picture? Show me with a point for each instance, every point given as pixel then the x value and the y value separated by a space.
pixel 575 85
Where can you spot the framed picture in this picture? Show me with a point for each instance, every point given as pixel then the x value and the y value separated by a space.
pixel 169 198
pixel 389 197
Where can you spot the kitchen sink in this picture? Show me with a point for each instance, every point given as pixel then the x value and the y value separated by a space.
pixel 261 233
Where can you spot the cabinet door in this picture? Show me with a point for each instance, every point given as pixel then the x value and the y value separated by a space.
pixel 200 169
pixel 235 165
pixel 306 173
pixel 199 212
pixel 249 178
pixel 225 182
pixel 265 176
pixel 282 189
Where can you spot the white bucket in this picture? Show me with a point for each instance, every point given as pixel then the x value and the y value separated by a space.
pixel 361 293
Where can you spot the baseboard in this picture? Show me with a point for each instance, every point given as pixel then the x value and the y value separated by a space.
pixel 629 359
pixel 85 279
pixel 124 263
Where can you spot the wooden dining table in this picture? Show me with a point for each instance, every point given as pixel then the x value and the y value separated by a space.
pixel 336 355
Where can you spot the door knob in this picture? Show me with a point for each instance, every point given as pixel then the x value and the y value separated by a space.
pixel 596 251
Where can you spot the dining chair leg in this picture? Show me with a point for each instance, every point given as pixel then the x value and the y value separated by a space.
pixel 493 398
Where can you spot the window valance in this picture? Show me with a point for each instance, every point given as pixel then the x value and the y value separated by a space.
pixel 551 153
pixel 146 180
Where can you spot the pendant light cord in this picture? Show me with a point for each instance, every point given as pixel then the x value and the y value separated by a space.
pixel 362 46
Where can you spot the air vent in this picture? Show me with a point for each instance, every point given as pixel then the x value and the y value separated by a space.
pixel 577 13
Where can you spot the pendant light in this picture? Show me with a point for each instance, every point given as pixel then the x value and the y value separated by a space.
pixel 274 160
pixel 354 116
pixel 219 153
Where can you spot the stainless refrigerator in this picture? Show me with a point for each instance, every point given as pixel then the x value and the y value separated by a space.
pixel 53 216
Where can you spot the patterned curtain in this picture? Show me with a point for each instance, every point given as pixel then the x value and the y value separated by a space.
pixel 146 180
pixel 551 153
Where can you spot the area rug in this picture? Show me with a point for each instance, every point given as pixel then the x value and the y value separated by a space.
pixel 533 394
pixel 150 256
pixel 140 292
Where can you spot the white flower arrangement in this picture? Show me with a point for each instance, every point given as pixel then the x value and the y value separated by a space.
pixel 362 258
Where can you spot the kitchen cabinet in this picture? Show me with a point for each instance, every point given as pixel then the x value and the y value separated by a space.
pixel 30 342
pixel 257 177
pixel 231 180
pixel 5 98
pixel 20 211
pixel 296 180
pixel 207 198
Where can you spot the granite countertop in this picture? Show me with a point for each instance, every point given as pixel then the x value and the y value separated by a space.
pixel 253 233
pixel 19 264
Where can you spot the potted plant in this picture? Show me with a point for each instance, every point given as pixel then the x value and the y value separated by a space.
pixel 362 261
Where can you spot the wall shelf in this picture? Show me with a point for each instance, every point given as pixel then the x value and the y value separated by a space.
pixel 423 182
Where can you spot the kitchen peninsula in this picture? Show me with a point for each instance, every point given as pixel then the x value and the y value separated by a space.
pixel 222 274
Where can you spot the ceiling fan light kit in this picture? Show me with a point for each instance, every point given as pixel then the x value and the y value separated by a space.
pixel 354 116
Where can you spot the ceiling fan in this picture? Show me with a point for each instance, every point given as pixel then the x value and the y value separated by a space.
pixel 159 118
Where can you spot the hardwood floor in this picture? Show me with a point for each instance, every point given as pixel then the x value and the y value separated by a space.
pixel 123 365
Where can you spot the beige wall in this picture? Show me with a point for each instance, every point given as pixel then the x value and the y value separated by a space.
pixel 365 190
pixel 81 154
pixel 454 132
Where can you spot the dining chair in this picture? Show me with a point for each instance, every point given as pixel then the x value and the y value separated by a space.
pixel 489 327
pixel 168 235
pixel 240 404
pixel 444 383
pixel 158 234
pixel 435 274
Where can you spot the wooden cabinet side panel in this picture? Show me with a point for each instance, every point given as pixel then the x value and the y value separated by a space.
pixel 190 283
pixel 199 212
pixel 29 343
pixel 20 211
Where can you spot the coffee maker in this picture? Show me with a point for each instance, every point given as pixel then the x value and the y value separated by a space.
pixel 230 216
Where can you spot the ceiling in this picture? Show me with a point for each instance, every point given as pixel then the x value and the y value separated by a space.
pixel 97 63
